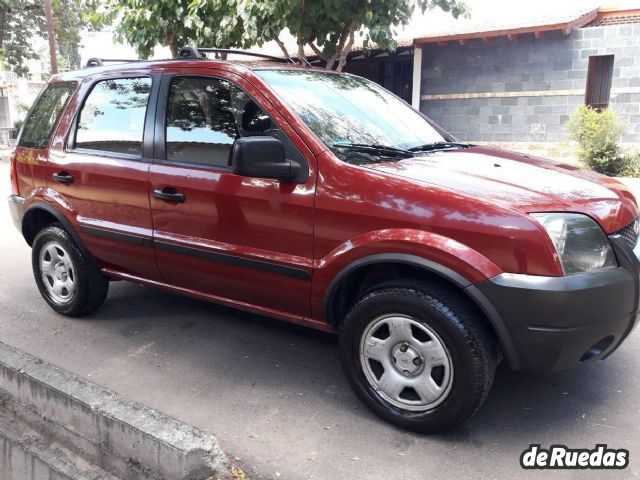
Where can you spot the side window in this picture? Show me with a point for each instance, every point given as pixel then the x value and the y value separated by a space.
pixel 37 128
pixel 112 117
pixel 205 116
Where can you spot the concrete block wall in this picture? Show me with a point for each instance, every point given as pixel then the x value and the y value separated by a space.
pixel 524 89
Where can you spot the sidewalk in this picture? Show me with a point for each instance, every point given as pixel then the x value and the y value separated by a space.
pixel 54 424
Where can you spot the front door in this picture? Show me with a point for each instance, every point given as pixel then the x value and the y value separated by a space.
pixel 238 239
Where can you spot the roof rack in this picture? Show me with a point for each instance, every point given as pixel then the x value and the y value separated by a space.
pixel 191 52
pixel 98 62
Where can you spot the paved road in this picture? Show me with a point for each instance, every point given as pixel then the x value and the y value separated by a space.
pixel 276 398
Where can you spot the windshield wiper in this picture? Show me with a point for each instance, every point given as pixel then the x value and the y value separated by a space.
pixel 375 149
pixel 429 147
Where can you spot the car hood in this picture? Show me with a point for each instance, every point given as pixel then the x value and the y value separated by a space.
pixel 520 182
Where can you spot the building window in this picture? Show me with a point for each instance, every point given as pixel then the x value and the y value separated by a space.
pixel 599 81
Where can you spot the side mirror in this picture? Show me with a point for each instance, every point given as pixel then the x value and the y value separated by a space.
pixel 262 157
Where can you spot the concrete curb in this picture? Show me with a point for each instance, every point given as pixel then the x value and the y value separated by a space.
pixel 125 439
pixel 28 455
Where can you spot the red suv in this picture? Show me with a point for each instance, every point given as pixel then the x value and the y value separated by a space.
pixel 322 199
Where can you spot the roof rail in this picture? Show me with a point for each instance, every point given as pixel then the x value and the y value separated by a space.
pixel 191 52
pixel 98 62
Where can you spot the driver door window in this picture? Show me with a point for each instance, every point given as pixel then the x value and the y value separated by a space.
pixel 204 118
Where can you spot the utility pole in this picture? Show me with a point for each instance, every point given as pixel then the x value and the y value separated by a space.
pixel 52 38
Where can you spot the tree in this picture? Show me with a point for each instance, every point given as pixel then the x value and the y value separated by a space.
pixel 597 133
pixel 69 19
pixel 22 23
pixel 147 23
pixel 327 27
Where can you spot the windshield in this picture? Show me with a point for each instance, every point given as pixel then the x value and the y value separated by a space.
pixel 352 115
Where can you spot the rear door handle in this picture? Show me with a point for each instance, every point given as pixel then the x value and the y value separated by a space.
pixel 169 196
pixel 63 177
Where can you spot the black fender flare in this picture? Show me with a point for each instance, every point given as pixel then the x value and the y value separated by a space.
pixel 54 212
pixel 466 286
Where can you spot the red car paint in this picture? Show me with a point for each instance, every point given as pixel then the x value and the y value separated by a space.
pixel 466 210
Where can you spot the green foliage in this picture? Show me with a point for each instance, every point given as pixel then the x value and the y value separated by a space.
pixel 22 107
pixel 17 125
pixel 597 133
pixel 173 23
pixel 328 27
pixel 68 22
pixel 22 21
pixel 631 165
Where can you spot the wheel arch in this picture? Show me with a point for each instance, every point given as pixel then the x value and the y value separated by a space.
pixel 39 215
pixel 336 299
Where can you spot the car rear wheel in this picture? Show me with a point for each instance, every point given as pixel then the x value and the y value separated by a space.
pixel 418 355
pixel 68 281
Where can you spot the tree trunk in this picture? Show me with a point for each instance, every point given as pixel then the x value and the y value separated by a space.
pixel 282 47
pixel 347 48
pixel 52 38
pixel 301 42
pixel 4 14
pixel 171 42
pixel 341 48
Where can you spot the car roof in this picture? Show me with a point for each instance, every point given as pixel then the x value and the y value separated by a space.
pixel 166 66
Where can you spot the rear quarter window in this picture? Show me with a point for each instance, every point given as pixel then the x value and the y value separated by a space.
pixel 44 115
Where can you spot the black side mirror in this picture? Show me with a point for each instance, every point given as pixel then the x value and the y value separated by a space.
pixel 262 157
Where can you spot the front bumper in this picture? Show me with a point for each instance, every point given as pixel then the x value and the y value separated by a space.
pixel 555 323
pixel 17 208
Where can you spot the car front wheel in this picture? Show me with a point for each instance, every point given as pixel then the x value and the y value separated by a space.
pixel 418 355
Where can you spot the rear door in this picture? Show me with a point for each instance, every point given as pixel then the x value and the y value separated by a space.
pixel 239 239
pixel 101 172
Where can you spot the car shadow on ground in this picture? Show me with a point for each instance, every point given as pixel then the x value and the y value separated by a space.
pixel 308 361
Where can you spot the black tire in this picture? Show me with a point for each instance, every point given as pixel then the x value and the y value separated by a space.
pixel 471 345
pixel 90 287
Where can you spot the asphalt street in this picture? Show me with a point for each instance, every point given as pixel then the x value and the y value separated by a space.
pixel 275 396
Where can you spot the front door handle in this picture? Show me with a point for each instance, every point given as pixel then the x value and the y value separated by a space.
pixel 168 195
pixel 63 177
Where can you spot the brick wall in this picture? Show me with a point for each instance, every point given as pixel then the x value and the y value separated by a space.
pixel 524 90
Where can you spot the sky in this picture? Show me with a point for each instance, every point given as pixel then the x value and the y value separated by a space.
pixel 483 12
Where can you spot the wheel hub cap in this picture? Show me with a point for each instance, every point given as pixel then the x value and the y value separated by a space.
pixel 406 362
pixel 407 359
pixel 57 272
pixel 60 272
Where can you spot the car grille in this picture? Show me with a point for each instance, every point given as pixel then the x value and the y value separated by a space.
pixel 630 233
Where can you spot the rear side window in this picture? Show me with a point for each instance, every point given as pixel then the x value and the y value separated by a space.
pixel 112 117
pixel 44 115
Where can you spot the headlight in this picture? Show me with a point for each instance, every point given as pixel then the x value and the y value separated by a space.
pixel 580 242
